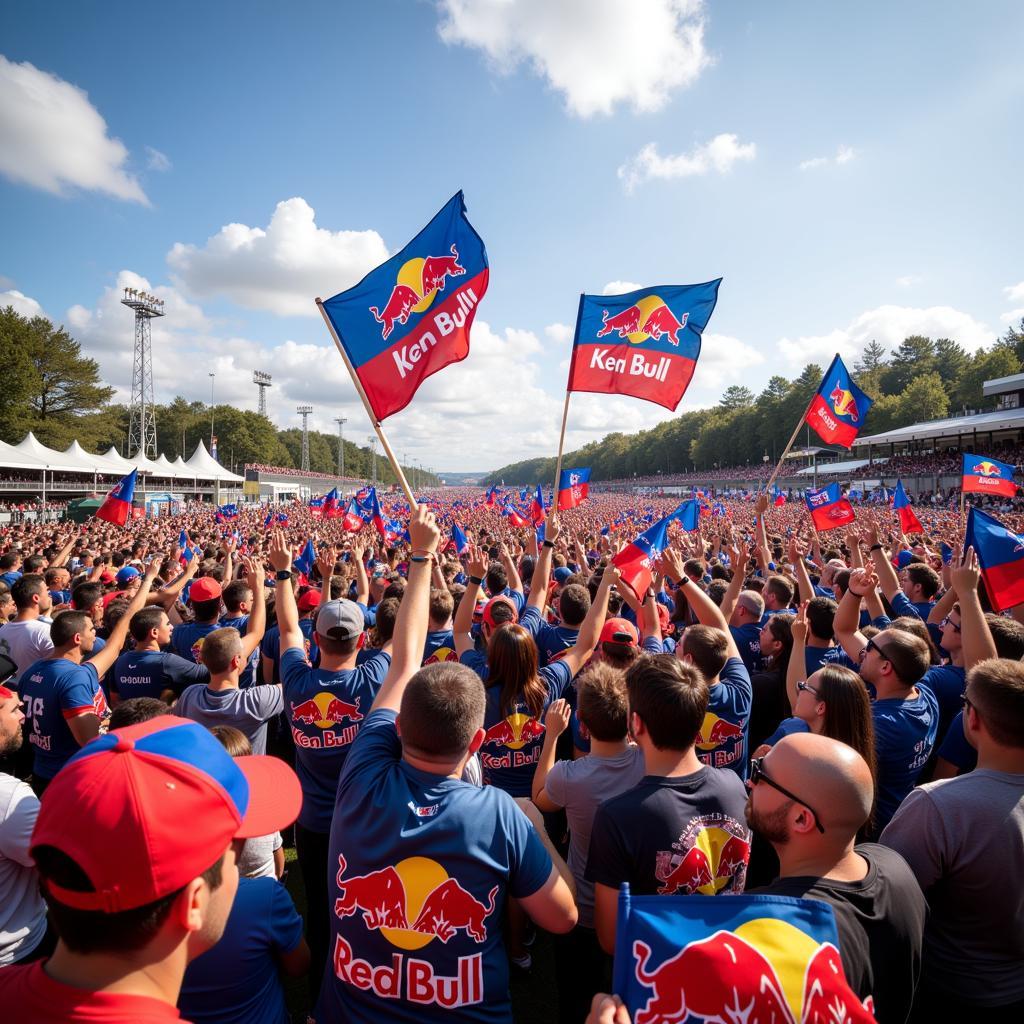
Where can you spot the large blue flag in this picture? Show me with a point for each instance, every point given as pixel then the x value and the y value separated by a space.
pixel 1000 554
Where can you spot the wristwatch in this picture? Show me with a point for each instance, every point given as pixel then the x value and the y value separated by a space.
pixel 283 574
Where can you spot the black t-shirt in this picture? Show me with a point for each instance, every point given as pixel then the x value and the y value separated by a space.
pixel 880 922
pixel 673 835
pixel 770 705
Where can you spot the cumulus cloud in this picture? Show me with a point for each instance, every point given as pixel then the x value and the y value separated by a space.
pixel 718 155
pixel 1014 292
pixel 620 287
pixel 54 139
pixel 1012 316
pixel 157 161
pixel 561 334
pixel 280 268
pixel 843 155
pixel 23 304
pixel 888 325
pixel 597 53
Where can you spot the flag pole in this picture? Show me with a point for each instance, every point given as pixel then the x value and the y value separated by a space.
pixel 378 429
pixel 561 443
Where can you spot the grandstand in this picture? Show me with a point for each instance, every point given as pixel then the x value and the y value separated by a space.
pixel 281 483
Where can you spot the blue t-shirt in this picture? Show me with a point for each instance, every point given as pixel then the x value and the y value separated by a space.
pixel 530 620
pixel 905 732
pixel 517 597
pixel 818 657
pixel 748 641
pixel 513 741
pixel 10 578
pixel 53 692
pixel 237 981
pixel 902 605
pixel 325 710
pixel 439 646
pixel 956 750
pixel 247 677
pixel 60 596
pixel 187 640
pixel 787 727
pixel 421 866
pixel 554 641
pixel 722 742
pixel 149 673
pixel 270 646
pixel 947 683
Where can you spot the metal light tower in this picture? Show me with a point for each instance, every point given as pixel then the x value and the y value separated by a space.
pixel 141 414
pixel 304 411
pixel 373 448
pixel 341 421
pixel 262 381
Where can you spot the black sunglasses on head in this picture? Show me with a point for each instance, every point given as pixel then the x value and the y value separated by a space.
pixel 757 774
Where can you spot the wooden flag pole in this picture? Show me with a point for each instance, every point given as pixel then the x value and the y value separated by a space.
pixel 561 443
pixel 378 429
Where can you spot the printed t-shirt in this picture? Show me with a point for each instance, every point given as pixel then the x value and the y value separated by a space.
pixel 325 709
pixel 947 682
pixel 270 646
pixel 905 732
pixel 246 710
pixel 54 692
pixel 723 735
pixel 150 673
pixel 581 786
pixel 29 995
pixel 421 866
pixel 514 738
pixel 439 646
pixel 880 921
pixel 530 620
pixel 552 641
pixel 237 981
pixel 187 640
pixel 657 836
pixel 748 641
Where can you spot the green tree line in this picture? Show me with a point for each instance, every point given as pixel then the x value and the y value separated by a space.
pixel 923 379
pixel 56 392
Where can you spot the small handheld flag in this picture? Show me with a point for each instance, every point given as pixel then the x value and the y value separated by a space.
pixel 982 475
pixel 117 505
pixel 352 520
pixel 837 411
pixel 828 508
pixel 329 509
pixel 909 523
pixel 643 343
pixel 573 487
pixel 537 511
pixel 307 559
pixel 459 539
pixel 1001 557
pixel 637 562
pixel 688 515
pixel 412 316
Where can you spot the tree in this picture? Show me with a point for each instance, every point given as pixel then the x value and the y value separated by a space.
pixel 915 356
pixel 736 397
pixel 17 368
pixel 950 361
pixel 872 358
pixel 998 361
pixel 925 398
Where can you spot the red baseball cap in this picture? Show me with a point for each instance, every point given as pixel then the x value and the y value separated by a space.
pixel 309 600
pixel 206 588
pixel 169 798
pixel 488 613
pixel 620 631
pixel 107 576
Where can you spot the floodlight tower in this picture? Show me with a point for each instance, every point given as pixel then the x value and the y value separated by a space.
pixel 262 381
pixel 141 413
pixel 304 411
pixel 341 421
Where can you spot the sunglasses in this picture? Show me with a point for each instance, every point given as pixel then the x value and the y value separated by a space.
pixel 757 774
pixel 872 646
pixel 806 687
pixel 965 700
pixel 947 621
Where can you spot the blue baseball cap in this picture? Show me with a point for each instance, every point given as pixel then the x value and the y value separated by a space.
pixel 127 574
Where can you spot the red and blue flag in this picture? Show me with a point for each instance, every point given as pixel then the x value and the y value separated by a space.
pixel 329 509
pixel 573 487
pixel 752 958
pixel 982 475
pixel 537 511
pixel 837 411
pixel 352 520
pixel 643 343
pixel 117 505
pixel 828 508
pixel 779 495
pixel 412 316
pixel 688 515
pixel 375 514
pixel 491 500
pixel 1001 557
pixel 638 561
pixel 307 559
pixel 909 523
pixel 459 539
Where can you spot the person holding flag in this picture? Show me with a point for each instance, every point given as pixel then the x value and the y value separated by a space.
pixel 117 505
pixel 909 523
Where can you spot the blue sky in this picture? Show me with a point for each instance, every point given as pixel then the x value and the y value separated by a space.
pixel 850 172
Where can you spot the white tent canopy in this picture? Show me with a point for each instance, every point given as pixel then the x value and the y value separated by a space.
pixel 93 463
pixel 204 466
pixel 113 456
pixel 50 457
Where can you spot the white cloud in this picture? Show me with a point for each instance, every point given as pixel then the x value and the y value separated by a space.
pixel 1013 316
pixel 280 268
pixel 157 161
pixel 597 53
pixel 22 303
pixel 55 139
pixel 1015 292
pixel 719 155
pixel 888 325
pixel 620 287
pixel 908 280
pixel 561 334
pixel 723 361
pixel 843 155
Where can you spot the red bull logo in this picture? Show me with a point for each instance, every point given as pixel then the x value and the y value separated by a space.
pixel 197 650
pixel 719 742
pixel 767 971
pixel 512 733
pixel 326 712
pixel 708 858
pixel 649 317
pixel 440 655
pixel 419 281
pixel 411 904
pixel 985 468
pixel 843 402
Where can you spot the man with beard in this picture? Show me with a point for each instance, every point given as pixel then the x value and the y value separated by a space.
pixel 809 796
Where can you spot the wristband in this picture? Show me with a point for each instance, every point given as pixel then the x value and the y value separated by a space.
pixel 418 558
pixel 548 543
pixel 476 579
pixel 283 574
pixel 683 580
pixel 876 547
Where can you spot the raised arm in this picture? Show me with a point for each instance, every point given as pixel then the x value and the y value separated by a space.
pixel 590 629
pixel 463 623
pixel 542 570
pixel 254 578
pixel 411 625
pixel 738 564
pixel 797 670
pixel 803 580
pixel 362 583
pixel 515 583
pixel 847 621
pixel 888 581
pixel 166 596
pixel 975 636
pixel 280 554
pixel 706 611
pixel 104 660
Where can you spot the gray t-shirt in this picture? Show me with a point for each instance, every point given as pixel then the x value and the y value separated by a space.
pixel 964 840
pixel 22 910
pixel 257 857
pixel 247 710
pixel 580 786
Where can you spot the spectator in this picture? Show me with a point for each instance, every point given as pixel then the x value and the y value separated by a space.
pixel 769 704
pixel 27 638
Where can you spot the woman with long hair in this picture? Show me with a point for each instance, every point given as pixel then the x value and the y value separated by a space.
pixel 770 705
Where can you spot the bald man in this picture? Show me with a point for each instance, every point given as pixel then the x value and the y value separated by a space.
pixel 809 796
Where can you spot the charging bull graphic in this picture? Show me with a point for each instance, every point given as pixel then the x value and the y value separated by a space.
pixel 709 857
pixel 843 402
pixel 419 280
pixel 648 318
